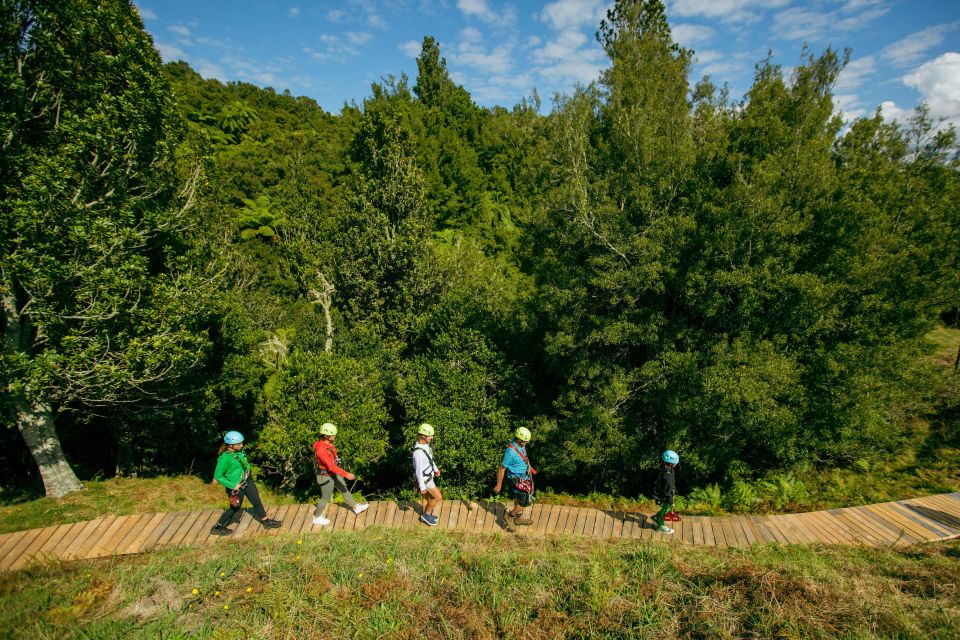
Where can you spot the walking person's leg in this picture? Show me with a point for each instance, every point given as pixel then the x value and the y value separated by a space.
pixel 340 484
pixel 259 513
pixel 658 518
pixel 220 528
pixel 326 492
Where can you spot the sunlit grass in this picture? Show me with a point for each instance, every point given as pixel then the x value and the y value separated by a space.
pixel 409 584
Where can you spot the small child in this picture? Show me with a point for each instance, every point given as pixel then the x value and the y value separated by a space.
pixel 665 489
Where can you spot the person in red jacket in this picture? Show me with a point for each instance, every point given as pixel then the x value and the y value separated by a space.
pixel 331 475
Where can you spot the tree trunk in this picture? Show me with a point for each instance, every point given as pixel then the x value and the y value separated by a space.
pixel 35 422
pixel 34 417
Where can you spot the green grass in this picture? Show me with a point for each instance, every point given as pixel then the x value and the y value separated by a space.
pixel 412 584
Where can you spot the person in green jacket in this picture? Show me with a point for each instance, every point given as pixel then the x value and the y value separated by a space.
pixel 233 472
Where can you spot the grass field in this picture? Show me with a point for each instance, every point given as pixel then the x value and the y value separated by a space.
pixel 427 584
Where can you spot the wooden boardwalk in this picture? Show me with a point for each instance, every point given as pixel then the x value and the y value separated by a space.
pixel 904 522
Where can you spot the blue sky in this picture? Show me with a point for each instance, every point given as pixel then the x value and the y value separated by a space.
pixel 501 50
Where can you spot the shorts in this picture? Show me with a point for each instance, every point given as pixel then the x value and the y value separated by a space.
pixel 429 484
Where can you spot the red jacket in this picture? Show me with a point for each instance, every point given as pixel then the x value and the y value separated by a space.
pixel 327 458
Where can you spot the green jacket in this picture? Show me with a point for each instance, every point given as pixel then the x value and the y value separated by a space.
pixel 232 467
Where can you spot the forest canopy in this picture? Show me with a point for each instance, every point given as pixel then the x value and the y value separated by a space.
pixel 647 263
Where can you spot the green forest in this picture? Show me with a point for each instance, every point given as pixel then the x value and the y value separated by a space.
pixel 647 263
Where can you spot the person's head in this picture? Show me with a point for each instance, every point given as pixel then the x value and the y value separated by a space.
pixel 233 440
pixel 522 435
pixel 669 458
pixel 328 431
pixel 425 433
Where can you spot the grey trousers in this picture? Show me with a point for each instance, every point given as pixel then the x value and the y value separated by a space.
pixel 327 484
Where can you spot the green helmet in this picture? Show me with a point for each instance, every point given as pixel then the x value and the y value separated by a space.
pixel 425 430
pixel 523 434
pixel 328 429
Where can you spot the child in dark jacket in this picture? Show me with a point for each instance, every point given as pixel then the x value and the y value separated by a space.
pixel 665 489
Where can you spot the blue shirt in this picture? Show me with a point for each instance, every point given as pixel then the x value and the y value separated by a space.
pixel 513 463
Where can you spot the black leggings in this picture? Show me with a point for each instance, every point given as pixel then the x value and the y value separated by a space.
pixel 248 491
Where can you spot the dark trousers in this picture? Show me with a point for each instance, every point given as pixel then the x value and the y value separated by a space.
pixel 248 491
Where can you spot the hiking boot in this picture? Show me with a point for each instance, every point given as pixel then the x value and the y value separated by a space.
pixel 521 521
pixel 220 530
pixel 665 529
pixel 270 523
pixel 360 508
pixel 508 522
pixel 321 521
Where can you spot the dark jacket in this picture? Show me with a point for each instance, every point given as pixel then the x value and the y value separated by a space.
pixel 665 489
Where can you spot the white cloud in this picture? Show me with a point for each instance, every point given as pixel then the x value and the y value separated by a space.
pixel 497 61
pixel 147 14
pixel 726 10
pixel 855 74
pixel 938 81
pixel 209 69
pixel 293 12
pixel 533 41
pixel 180 30
pixel 375 21
pixel 690 35
pixel 358 37
pixel 806 24
pixel 911 49
pixel 336 15
pixel 170 52
pixel 848 106
pixel 339 48
pixel 568 58
pixel 481 10
pixel 891 111
pixel 411 47
pixel 471 35
pixel 573 14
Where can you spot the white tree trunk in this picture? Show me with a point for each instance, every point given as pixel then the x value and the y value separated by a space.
pixel 35 422
pixel 34 417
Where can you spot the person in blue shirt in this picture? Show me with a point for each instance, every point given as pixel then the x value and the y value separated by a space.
pixel 519 473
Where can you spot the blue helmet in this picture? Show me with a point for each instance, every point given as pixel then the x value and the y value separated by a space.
pixel 233 437
pixel 670 457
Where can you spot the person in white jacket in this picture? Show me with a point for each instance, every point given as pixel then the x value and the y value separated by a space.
pixel 425 471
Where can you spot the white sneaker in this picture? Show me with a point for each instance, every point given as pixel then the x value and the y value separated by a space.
pixel 322 521
pixel 665 529
pixel 360 508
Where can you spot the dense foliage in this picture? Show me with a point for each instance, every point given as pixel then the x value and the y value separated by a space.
pixel 650 264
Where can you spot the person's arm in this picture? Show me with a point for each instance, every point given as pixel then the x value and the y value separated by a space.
pixel 327 461
pixel 500 473
pixel 220 475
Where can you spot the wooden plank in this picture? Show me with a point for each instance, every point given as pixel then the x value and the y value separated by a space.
pixel 16 552
pixel 791 529
pixel 151 540
pixel 29 552
pixel 729 534
pixel 885 524
pixel 939 529
pixel 865 527
pixel 554 517
pixel 609 524
pixel 171 531
pixel 11 544
pixel 102 545
pixel 849 534
pixel 733 525
pixel 410 515
pixel 859 529
pixel 388 511
pixel 826 533
pixel 148 526
pixel 802 523
pixel 131 532
pixel 746 530
pixel 60 537
pixel 941 511
pixel 94 537
pixel 772 529
pixel 695 529
pixel 543 517
pixel 892 512
pixel 80 537
pixel 618 522
pixel 200 531
pixel 10 540
pixel 763 532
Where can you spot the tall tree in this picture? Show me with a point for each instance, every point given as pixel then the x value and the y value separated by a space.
pixel 99 306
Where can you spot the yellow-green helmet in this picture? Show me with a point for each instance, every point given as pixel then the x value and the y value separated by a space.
pixel 328 429
pixel 425 430
pixel 523 434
